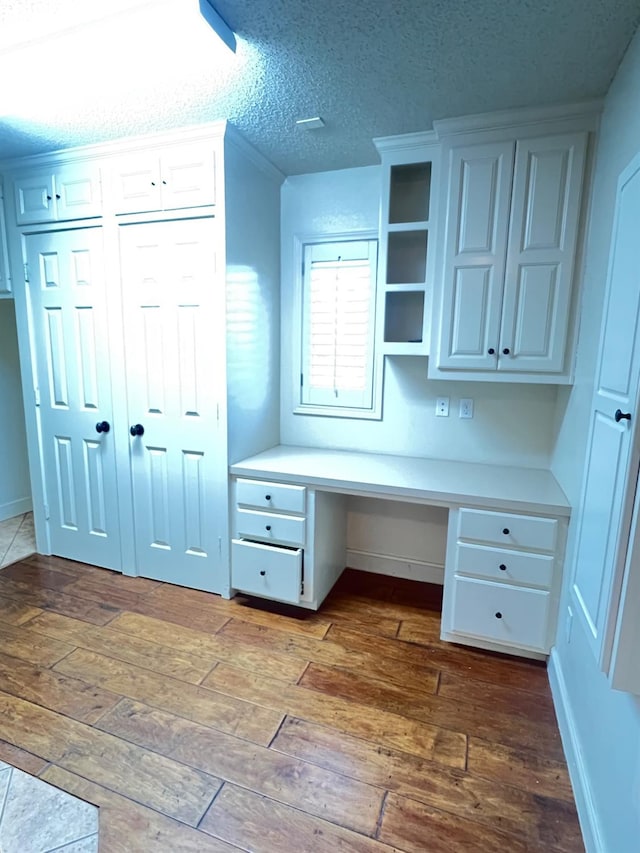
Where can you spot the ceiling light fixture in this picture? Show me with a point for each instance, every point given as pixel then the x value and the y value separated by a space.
pixel 217 24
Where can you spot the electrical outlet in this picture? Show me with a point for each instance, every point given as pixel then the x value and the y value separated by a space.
pixel 442 407
pixel 466 407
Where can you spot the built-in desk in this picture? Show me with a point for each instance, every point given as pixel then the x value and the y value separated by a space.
pixel 505 541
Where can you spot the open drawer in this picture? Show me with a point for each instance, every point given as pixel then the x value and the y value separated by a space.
pixel 269 571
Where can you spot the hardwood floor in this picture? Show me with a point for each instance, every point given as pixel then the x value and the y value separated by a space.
pixel 198 724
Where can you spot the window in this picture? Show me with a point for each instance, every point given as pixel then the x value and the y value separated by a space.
pixel 338 324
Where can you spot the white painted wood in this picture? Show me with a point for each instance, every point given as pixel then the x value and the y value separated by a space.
pixel 395 567
pixel 506 614
pixel 55 195
pixel 270 527
pixel 5 274
pixel 325 554
pixel 433 481
pixel 136 183
pixel 479 193
pixel 613 448
pixel 67 295
pixel 172 315
pixel 34 198
pixel 508 530
pixel 266 570
pixel 504 566
pixel 274 496
pixel 543 233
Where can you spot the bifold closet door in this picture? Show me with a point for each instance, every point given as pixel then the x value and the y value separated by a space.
pixel 173 309
pixel 66 291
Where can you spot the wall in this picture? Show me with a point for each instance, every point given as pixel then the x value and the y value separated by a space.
pixel 15 493
pixel 601 727
pixel 512 424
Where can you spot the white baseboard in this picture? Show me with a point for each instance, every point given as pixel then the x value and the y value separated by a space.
pixel 589 822
pixel 396 567
pixel 13 508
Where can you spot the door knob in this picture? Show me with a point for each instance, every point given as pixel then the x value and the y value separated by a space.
pixel 622 416
pixel 103 426
pixel 491 351
pixel 137 429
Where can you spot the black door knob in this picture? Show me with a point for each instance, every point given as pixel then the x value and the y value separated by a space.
pixel 502 567
pixel 103 426
pixel 268 526
pixel 267 497
pixel 262 572
pixel 491 351
pixel 506 531
pixel 506 351
pixel 622 416
pixel 498 615
pixel 137 429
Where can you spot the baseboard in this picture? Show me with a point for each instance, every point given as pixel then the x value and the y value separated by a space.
pixel 13 508
pixel 589 823
pixel 396 567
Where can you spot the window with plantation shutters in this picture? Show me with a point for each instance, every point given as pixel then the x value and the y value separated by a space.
pixel 338 320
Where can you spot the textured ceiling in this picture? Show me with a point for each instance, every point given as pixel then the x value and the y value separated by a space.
pixel 368 67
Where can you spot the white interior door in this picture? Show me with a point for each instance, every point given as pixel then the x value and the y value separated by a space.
pixel 66 292
pixel 173 305
pixel 611 467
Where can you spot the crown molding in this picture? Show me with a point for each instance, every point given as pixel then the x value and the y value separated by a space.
pixel 585 112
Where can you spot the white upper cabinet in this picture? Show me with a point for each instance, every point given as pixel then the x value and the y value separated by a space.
pixel 513 211
pixel 168 179
pixel 5 278
pixel 66 193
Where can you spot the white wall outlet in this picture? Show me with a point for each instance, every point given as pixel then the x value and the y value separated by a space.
pixel 442 407
pixel 466 407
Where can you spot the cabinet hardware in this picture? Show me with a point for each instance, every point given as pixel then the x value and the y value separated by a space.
pixel 58 196
pixel 498 615
pixel 136 429
pixel 502 567
pixel 506 531
pixel 622 416
pixel 267 527
pixel 491 351
pixel 506 351
pixel 48 198
pixel 263 573
pixel 103 426
pixel 267 497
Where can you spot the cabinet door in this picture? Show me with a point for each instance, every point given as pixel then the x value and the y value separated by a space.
pixel 77 192
pixel 187 177
pixel 136 184
pixel 67 291
pixel 34 195
pixel 173 308
pixel 5 278
pixel 545 210
pixel 475 252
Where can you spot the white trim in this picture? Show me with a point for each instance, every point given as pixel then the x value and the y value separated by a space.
pixel 405 141
pixel 586 113
pixel 396 567
pixel 234 138
pixel 13 508
pixel 583 795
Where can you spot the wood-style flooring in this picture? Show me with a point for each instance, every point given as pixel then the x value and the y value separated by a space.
pixel 199 724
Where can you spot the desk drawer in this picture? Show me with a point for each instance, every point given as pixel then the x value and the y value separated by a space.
pixel 502 613
pixel 508 529
pixel 274 496
pixel 270 527
pixel 266 570
pixel 504 566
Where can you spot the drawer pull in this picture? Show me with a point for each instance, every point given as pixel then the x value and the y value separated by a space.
pixel 506 531
pixel 267 497
pixel 267 527
pixel 498 615
pixel 502 567
pixel 262 573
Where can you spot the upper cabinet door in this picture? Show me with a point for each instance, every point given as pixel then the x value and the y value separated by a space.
pixel 66 193
pixel 34 195
pixel 136 184
pixel 545 212
pixel 474 264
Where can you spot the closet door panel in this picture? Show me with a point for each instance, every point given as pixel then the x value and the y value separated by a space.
pixel 174 387
pixel 66 292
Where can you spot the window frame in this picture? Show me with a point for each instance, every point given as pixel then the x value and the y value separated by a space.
pixel 373 412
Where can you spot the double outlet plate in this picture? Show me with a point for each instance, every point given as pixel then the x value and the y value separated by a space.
pixel 465 410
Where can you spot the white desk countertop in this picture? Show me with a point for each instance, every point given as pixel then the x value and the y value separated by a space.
pixel 433 481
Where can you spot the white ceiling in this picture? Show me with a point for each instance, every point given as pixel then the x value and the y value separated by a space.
pixel 74 72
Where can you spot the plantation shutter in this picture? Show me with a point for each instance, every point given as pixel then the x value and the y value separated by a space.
pixel 338 324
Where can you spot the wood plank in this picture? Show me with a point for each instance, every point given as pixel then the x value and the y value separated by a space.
pixel 257 823
pixel 199 704
pixel 29 646
pixel 168 659
pixel 380 726
pixel 307 623
pixel 141 775
pixel 496 697
pixel 21 759
pixel 541 821
pixel 287 779
pixel 37 576
pixel 333 653
pixel 120 596
pixel 212 646
pixel 50 565
pixel 525 768
pixel 52 690
pixel 126 826
pixel 439 711
pixel 414 827
pixel 480 665
pixel 360 615
pixel 16 612
pixel 423 630
pixel 58 602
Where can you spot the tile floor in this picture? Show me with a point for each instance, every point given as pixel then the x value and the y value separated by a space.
pixel 17 540
pixel 36 817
